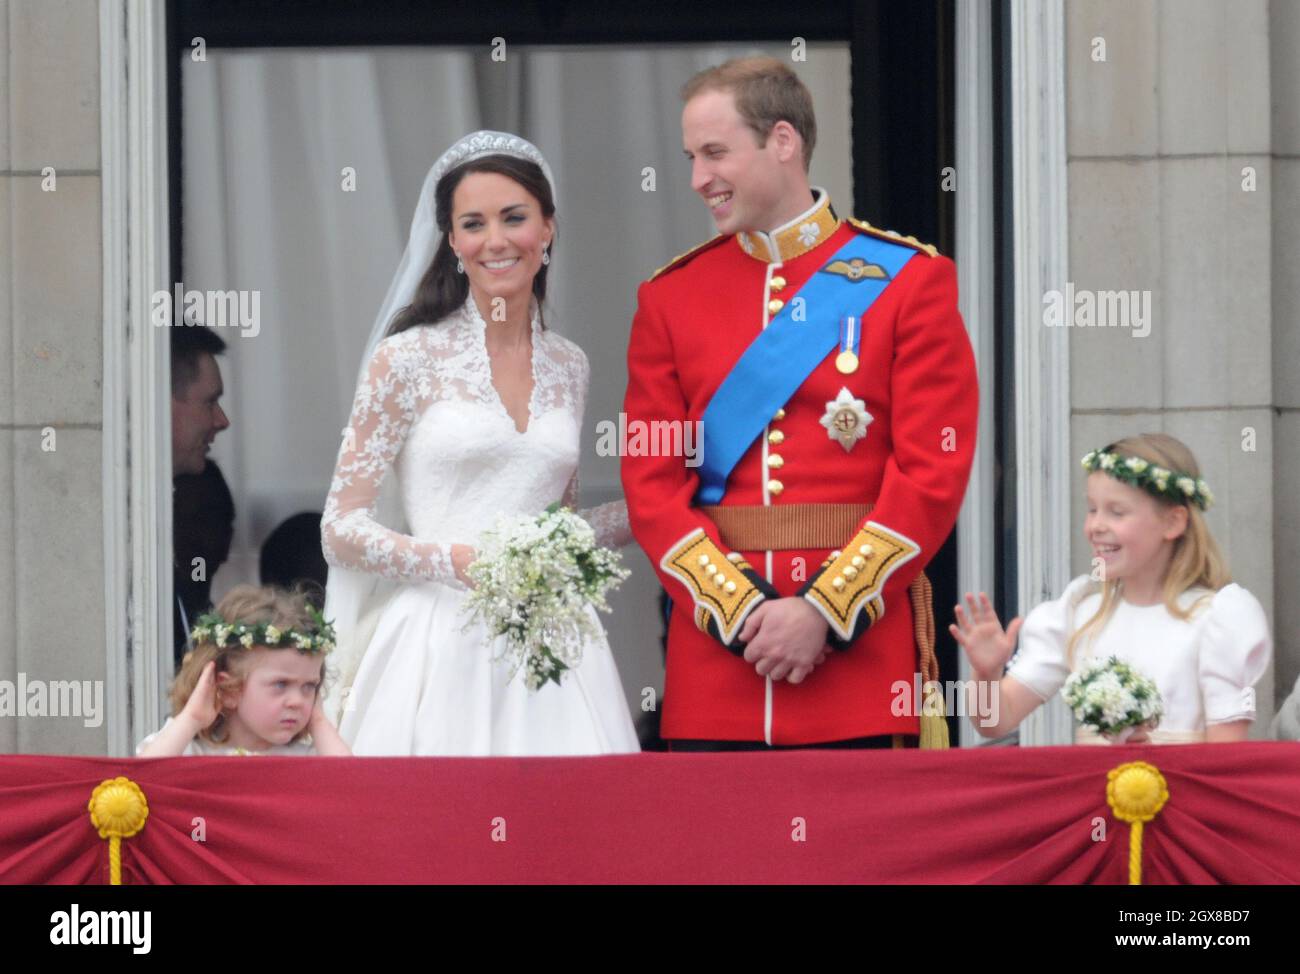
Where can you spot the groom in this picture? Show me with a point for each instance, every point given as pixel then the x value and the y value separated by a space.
pixel 837 393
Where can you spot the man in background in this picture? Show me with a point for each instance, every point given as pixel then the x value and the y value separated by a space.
pixel 203 511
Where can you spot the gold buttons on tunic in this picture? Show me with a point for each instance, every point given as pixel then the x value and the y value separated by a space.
pixel 838 583
pixel 777 283
pixel 780 414
pixel 865 550
pixel 775 487
pixel 735 556
pixel 775 305
pixel 730 588
pixel 775 461
pixel 858 561
pixel 776 437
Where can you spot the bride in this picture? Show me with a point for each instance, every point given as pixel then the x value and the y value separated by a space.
pixel 467 407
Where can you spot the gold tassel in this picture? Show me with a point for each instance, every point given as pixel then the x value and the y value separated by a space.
pixel 934 720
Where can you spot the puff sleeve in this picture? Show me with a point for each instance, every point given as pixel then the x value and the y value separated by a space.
pixel 1040 660
pixel 1234 652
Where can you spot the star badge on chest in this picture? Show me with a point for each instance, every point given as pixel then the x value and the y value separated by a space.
pixel 846 419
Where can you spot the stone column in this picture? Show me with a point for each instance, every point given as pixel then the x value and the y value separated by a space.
pixel 1171 193
pixel 51 526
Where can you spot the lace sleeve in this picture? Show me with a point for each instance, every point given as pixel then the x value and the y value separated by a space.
pixel 609 520
pixel 388 401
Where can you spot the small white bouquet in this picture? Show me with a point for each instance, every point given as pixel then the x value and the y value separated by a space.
pixel 533 582
pixel 1113 698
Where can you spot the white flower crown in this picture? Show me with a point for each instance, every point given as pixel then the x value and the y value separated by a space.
pixel 211 627
pixel 1169 484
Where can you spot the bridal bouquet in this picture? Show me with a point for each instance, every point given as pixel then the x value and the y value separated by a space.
pixel 533 582
pixel 1113 698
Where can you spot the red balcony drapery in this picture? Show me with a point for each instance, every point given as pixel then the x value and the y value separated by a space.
pixel 995 815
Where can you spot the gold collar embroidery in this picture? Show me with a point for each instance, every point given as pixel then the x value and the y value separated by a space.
pixel 800 235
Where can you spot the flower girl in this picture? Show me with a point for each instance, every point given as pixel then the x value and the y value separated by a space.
pixel 251 684
pixel 1159 599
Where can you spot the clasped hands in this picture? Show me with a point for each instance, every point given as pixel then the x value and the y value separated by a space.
pixel 785 639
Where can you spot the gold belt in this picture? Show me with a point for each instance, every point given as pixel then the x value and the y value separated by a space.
pixel 758 527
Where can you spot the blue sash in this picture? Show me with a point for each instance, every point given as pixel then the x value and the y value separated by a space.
pixel 785 353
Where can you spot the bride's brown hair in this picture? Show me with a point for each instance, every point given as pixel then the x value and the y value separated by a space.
pixel 442 290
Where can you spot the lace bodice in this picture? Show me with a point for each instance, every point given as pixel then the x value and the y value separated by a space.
pixel 427 409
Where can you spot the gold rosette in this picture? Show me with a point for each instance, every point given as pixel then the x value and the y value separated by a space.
pixel 1136 792
pixel 118 810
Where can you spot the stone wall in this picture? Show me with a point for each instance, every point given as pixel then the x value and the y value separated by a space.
pixel 1179 185
pixel 51 523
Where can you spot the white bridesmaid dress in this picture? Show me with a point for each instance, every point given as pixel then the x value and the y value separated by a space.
pixel 1205 666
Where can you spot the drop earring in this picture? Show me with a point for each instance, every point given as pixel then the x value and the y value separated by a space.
pixel 546 254
pixel 460 267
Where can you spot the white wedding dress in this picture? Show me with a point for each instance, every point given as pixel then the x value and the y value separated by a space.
pixel 428 411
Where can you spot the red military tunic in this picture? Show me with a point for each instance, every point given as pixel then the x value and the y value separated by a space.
pixel 917 380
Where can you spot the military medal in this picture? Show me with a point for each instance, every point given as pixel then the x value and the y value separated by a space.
pixel 847 360
pixel 846 419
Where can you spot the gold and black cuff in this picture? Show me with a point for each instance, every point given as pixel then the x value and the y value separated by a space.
pixel 847 587
pixel 725 587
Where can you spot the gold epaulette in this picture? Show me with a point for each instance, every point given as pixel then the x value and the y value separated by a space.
pixel 912 242
pixel 851 580
pixel 681 259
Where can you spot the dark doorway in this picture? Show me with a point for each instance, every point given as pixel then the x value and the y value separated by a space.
pixel 903 108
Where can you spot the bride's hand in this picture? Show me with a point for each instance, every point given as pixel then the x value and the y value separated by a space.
pixel 462 556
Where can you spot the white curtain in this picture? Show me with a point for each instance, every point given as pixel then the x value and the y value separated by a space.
pixel 267 136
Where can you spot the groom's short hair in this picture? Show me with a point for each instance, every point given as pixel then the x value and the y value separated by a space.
pixel 766 92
